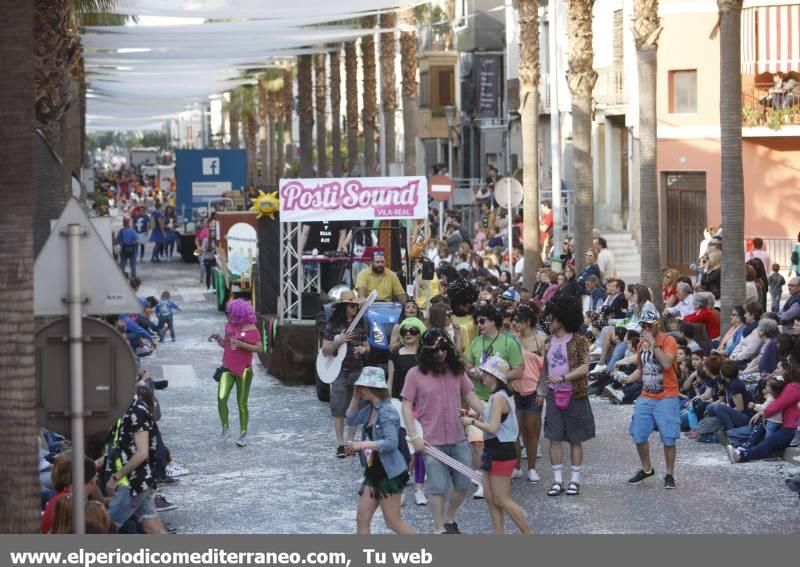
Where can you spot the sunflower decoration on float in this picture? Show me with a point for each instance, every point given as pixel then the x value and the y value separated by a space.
pixel 266 205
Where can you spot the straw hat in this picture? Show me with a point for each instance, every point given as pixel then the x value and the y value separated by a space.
pixel 348 296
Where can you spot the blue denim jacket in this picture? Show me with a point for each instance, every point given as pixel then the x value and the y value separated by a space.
pixel 385 434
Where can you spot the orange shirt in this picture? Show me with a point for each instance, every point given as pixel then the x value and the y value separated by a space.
pixel 658 382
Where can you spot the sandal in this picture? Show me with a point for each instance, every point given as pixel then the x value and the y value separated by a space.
pixel 556 489
pixel 574 489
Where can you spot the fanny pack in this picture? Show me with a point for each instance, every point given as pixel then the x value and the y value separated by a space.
pixel 562 398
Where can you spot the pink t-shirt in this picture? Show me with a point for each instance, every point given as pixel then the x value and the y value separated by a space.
pixel 438 402
pixel 238 359
pixel 557 361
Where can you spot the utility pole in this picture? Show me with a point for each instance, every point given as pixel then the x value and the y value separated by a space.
pixel 555 120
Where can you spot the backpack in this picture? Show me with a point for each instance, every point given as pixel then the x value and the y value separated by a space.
pixel 113 453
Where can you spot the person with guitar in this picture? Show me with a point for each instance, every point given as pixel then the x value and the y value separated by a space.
pixel 336 335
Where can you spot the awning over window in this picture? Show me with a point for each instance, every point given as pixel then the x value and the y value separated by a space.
pixel 771 39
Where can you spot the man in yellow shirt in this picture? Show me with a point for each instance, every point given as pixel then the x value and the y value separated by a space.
pixel 381 279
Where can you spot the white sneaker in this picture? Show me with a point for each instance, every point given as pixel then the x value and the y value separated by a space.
pixel 478 483
pixel 174 469
pixel 533 476
pixel 419 498
pixel 619 395
pixel 516 473
pixel 596 352
pixel 598 369
pixel 478 493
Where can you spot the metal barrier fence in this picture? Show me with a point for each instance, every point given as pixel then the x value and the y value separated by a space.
pixel 779 250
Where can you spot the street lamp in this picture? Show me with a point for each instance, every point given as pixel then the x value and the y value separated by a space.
pixel 450 113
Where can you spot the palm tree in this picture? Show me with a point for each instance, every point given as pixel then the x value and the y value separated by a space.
pixel 581 78
pixel 646 29
pixel 351 98
pixel 370 99
pixel 250 121
pixel 529 100
pixel 321 92
pixel 264 127
pixel 233 108
pixel 408 67
pixel 305 113
pixel 19 491
pixel 730 117
pixel 388 21
pixel 286 109
pixel 336 112
pixel 51 59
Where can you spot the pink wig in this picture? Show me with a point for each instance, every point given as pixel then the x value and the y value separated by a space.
pixel 240 312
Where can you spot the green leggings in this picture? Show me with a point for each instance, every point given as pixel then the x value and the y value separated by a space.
pixel 226 382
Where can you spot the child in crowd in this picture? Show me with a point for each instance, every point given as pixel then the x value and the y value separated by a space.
pixel 164 311
pixel 776 283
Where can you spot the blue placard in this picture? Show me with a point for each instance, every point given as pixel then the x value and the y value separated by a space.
pixel 204 175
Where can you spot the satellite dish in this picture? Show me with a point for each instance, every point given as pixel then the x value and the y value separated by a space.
pixel 508 192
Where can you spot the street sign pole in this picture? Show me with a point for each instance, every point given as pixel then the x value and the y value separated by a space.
pixel 74 233
pixel 441 220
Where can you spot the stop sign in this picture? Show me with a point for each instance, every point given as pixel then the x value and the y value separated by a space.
pixel 441 187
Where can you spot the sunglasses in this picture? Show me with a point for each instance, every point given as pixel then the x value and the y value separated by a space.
pixel 481 321
pixel 409 331
pixel 440 348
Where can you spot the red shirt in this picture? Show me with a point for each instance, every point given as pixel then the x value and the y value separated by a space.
pixel 706 318
pixel 47 517
pixel 546 226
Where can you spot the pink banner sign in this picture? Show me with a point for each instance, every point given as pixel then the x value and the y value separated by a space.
pixel 350 199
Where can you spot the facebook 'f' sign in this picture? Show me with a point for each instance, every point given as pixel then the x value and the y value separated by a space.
pixel 211 166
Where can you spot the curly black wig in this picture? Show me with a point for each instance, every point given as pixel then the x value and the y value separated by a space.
pixel 567 311
pixel 432 340
pixel 492 313
pixel 462 292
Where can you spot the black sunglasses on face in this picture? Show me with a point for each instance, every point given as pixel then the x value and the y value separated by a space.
pixel 440 348
pixel 409 331
pixel 481 321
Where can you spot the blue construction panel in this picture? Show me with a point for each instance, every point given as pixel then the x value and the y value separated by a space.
pixel 203 175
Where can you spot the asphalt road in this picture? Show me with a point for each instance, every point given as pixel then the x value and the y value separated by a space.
pixel 288 480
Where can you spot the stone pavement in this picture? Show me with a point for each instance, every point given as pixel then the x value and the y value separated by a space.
pixel 288 481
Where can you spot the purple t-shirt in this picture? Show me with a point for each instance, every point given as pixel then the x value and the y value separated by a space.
pixel 557 361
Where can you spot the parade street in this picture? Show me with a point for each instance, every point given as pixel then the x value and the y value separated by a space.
pixel 287 480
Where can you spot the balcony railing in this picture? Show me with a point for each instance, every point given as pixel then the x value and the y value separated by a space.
pixel 435 37
pixel 766 106
pixel 610 87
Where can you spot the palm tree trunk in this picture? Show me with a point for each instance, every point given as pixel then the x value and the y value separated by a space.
pixel 19 491
pixel 305 113
pixel 336 113
pixel 50 62
pixel 351 87
pixel 529 97
pixel 280 150
pixel 321 91
pixel 288 114
pixel 408 66
pixel 251 126
pixel 234 118
pixel 730 117
pixel 581 78
pixel 388 88
pixel 263 128
pixel 646 29
pixel 370 96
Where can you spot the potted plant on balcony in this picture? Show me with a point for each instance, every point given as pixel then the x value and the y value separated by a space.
pixel 751 116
